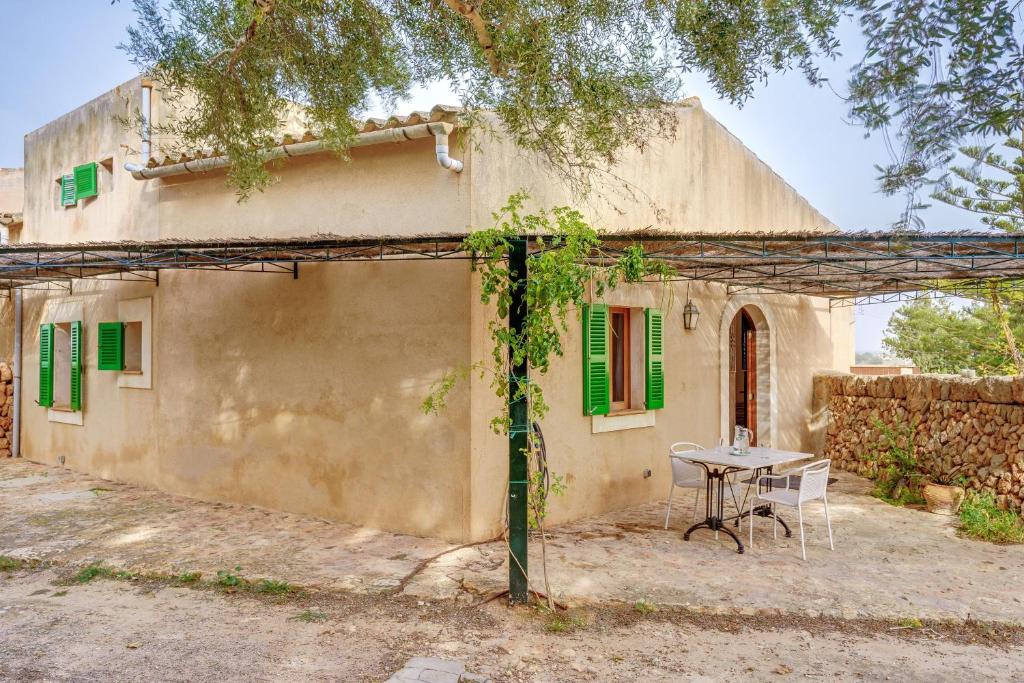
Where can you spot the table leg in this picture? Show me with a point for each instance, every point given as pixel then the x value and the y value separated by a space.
pixel 714 502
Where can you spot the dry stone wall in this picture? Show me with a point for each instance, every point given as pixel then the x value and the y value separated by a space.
pixel 6 408
pixel 974 427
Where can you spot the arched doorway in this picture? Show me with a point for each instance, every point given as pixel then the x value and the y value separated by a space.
pixel 748 362
pixel 743 373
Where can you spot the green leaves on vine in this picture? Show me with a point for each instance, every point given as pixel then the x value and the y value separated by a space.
pixel 568 265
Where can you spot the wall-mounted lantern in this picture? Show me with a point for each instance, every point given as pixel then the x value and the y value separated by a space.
pixel 690 312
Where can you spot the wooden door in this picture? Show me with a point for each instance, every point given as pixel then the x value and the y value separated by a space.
pixel 750 399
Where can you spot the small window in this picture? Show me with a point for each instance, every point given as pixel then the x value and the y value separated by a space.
pixel 620 360
pixel 62 366
pixel 133 346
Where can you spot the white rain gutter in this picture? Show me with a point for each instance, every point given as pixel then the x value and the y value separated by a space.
pixel 439 130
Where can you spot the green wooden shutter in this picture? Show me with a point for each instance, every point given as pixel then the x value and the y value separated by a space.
pixel 76 365
pixel 67 190
pixel 596 380
pixel 653 323
pixel 46 365
pixel 85 181
pixel 111 346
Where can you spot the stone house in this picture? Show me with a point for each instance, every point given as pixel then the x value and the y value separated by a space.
pixel 304 393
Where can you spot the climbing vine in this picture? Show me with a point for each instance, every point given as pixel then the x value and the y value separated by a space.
pixel 566 264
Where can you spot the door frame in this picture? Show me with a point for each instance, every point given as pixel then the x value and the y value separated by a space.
pixel 767 373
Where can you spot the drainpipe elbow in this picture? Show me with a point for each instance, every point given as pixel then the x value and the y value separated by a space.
pixel 441 152
pixel 137 170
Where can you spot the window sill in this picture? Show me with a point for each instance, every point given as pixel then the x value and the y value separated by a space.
pixel 630 411
pixel 635 419
pixel 64 416
pixel 131 372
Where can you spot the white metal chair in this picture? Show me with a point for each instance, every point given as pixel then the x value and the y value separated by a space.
pixel 685 474
pixel 812 486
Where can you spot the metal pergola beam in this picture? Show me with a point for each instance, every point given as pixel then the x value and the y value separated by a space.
pixel 832 265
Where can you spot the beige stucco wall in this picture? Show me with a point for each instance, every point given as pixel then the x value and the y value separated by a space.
pixel 291 394
pixel 604 471
pixel 701 178
pixel 304 395
pixel 122 209
pixel 12 190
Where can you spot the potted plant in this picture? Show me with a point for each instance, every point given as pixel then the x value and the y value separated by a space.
pixel 944 492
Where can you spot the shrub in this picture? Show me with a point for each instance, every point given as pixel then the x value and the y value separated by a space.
pixel 897 473
pixel 981 517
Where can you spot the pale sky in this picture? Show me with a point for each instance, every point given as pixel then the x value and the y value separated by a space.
pixel 52 66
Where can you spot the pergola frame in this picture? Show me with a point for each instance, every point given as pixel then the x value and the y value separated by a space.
pixel 846 268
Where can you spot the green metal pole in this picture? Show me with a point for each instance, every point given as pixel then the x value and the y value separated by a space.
pixel 517 435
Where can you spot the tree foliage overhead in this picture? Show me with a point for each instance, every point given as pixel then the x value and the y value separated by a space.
pixel 935 73
pixel 576 80
pixel 991 187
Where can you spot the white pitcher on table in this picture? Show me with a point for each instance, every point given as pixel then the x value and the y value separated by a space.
pixel 741 441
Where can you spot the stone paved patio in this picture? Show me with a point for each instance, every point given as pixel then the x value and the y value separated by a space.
pixel 888 562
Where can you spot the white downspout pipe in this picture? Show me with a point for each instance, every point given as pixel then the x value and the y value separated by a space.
pixel 441 151
pixel 16 371
pixel 439 130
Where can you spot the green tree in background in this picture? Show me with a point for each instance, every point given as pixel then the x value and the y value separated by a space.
pixel 939 337
pixel 576 80
pixel 992 187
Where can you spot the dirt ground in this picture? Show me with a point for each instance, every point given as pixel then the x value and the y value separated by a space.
pixel 109 630
pixel 879 608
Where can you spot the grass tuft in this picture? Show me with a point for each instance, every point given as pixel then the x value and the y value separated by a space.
pixel 565 623
pixel 910 622
pixel 981 518
pixel 95 570
pixel 188 577
pixel 273 587
pixel 644 607
pixel 229 578
pixel 11 564
pixel 311 616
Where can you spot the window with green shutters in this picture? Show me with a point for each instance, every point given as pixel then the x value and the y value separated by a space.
pixel 598 361
pixel 64 341
pixel 655 380
pixel 111 346
pixel 46 365
pixel 76 365
pixel 67 190
pixel 85 181
pixel 596 379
